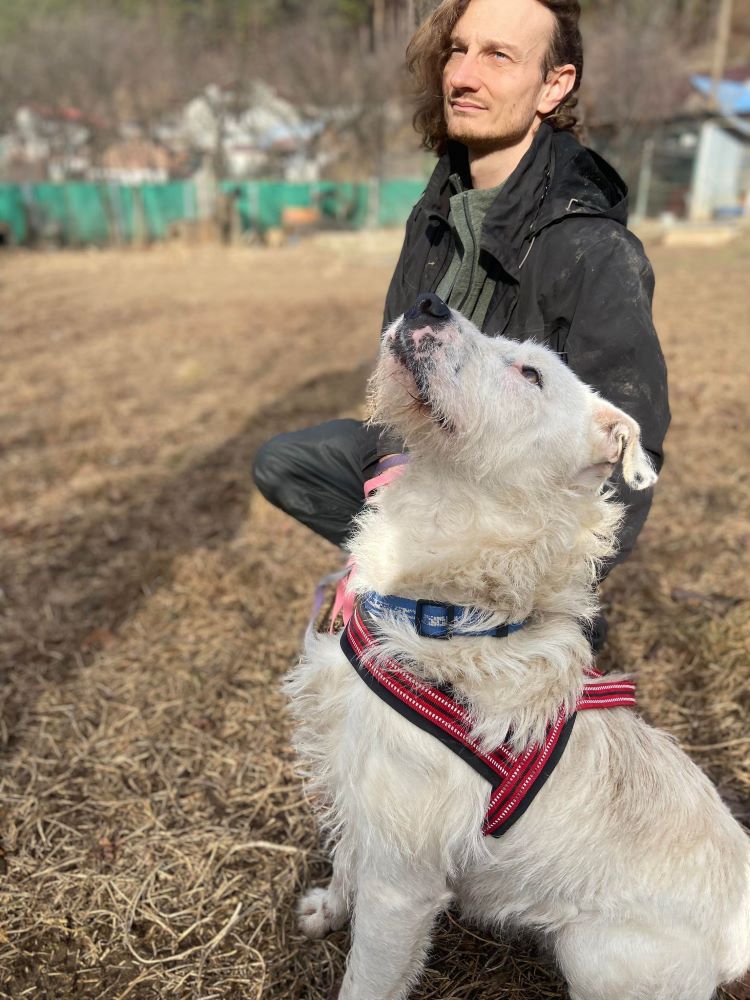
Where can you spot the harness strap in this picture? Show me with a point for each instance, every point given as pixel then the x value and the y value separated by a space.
pixel 515 779
pixel 607 694
pixel 320 593
pixel 343 600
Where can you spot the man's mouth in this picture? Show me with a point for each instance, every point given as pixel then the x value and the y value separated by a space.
pixel 460 105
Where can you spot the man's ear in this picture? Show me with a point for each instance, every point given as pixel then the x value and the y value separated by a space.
pixel 615 436
pixel 559 83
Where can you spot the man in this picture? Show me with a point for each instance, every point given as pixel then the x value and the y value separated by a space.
pixel 520 228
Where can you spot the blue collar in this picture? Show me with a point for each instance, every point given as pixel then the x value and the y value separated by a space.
pixel 431 618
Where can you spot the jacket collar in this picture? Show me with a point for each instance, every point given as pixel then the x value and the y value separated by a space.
pixel 508 220
pixel 557 177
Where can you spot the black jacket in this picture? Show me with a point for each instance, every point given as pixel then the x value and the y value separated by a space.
pixel 569 275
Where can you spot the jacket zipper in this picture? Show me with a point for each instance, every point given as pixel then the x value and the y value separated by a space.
pixel 447 254
pixel 474 252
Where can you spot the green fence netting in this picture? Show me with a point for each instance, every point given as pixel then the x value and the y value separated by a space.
pixel 79 213
pixel 164 204
pixel 12 215
pixel 396 200
pixel 74 211
pixel 261 203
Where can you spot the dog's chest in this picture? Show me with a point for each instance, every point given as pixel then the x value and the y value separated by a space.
pixel 380 775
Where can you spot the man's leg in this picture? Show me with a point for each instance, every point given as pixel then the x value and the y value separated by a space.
pixel 596 633
pixel 316 475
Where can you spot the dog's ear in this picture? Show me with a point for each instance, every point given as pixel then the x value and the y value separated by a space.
pixel 615 436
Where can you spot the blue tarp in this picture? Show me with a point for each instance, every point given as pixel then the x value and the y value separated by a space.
pixel 734 95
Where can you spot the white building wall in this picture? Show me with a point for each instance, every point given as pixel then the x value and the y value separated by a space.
pixel 717 177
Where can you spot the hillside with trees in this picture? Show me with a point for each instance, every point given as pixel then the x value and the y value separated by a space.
pixel 125 64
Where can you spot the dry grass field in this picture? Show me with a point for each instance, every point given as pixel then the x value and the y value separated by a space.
pixel 154 835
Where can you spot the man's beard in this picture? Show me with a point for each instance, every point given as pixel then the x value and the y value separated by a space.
pixel 506 133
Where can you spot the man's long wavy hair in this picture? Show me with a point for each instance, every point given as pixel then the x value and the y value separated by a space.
pixel 428 53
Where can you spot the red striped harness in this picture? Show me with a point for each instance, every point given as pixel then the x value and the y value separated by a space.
pixel 515 778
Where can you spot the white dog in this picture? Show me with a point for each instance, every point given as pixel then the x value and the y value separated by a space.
pixel 626 859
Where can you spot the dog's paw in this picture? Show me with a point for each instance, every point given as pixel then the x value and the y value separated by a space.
pixel 316 916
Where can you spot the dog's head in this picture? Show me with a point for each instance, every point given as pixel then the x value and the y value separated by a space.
pixel 501 408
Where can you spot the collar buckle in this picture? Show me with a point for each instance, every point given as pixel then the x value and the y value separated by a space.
pixel 434 620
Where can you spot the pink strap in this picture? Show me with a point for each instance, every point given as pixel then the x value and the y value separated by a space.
pixel 343 601
pixel 384 479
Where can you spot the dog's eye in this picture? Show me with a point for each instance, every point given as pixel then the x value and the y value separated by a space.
pixel 532 375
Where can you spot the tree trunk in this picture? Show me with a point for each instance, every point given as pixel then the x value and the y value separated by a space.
pixel 721 48
pixel 378 24
pixel 409 17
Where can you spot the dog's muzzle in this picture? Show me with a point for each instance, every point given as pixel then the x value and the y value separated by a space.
pixel 418 332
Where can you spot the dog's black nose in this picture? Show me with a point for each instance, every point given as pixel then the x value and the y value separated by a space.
pixel 429 306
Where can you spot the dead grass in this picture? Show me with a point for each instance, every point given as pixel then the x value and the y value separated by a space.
pixel 154 836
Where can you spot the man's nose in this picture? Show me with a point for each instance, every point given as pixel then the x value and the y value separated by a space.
pixel 461 73
pixel 427 307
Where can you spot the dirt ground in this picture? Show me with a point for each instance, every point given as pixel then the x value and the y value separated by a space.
pixel 154 836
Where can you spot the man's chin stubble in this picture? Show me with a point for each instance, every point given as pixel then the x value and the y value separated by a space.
pixel 483 143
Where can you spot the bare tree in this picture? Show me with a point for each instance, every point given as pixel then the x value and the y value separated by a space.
pixel 339 73
pixel 631 76
pixel 346 56
pixel 114 69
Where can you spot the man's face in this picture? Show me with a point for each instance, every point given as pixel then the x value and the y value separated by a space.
pixel 492 82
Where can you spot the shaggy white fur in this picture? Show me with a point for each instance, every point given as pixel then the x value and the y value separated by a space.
pixel 627 859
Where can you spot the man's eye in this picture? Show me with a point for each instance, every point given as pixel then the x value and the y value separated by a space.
pixel 532 375
pixel 500 56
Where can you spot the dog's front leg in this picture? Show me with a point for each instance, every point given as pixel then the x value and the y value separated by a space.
pixel 321 911
pixel 393 918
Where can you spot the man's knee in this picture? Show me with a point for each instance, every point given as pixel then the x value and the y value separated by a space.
pixel 315 476
pixel 326 454
pixel 269 469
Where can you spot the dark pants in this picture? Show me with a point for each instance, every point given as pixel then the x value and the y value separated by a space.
pixel 317 476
